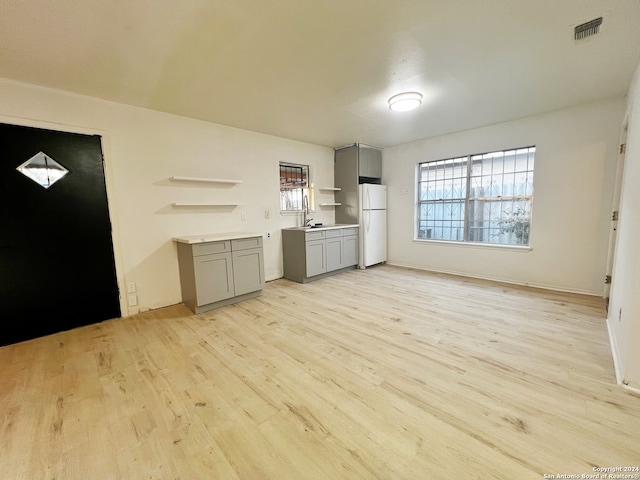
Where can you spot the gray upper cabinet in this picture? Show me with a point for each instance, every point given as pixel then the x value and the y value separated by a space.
pixel 369 162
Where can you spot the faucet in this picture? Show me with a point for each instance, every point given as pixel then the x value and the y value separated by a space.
pixel 305 211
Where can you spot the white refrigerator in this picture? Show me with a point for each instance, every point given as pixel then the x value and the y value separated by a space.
pixel 372 217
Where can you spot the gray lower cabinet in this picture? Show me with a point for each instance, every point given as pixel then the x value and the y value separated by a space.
pixel 248 265
pixel 214 274
pixel 342 248
pixel 313 254
pixel 213 278
pixel 334 248
pixel 315 257
pixel 350 246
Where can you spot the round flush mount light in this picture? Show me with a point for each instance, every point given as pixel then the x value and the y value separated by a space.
pixel 405 101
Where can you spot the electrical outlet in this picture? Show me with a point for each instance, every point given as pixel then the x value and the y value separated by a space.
pixel 268 234
pixel 133 300
pixel 131 287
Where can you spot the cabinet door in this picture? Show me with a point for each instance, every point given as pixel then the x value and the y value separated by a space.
pixel 350 251
pixel 248 271
pixel 316 257
pixel 334 253
pixel 369 162
pixel 214 278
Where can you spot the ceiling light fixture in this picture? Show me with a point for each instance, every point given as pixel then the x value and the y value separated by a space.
pixel 405 101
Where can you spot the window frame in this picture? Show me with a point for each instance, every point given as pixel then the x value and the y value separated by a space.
pixel 306 189
pixel 513 224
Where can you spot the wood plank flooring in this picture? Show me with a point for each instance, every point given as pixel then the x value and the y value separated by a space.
pixel 386 373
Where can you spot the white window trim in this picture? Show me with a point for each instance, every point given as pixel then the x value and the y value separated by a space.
pixel 465 243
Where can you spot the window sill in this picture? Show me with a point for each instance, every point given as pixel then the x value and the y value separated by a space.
pixel 516 248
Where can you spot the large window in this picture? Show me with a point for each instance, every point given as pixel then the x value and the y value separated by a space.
pixel 484 198
pixel 294 187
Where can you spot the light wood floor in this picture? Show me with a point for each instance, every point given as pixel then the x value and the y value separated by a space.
pixel 386 373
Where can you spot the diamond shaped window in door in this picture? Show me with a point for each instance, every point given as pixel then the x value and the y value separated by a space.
pixel 43 169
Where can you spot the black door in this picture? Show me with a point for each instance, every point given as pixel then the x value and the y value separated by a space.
pixel 57 269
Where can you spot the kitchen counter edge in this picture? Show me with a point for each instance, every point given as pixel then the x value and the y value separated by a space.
pixel 328 227
pixel 215 237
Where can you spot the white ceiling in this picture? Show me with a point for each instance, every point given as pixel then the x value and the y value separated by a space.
pixel 321 71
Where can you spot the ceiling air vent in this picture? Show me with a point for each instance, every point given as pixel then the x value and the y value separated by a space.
pixel 587 29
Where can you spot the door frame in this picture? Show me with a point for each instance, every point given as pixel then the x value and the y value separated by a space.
pixel 615 207
pixel 109 184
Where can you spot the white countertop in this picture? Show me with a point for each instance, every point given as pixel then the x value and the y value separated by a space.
pixel 215 237
pixel 325 227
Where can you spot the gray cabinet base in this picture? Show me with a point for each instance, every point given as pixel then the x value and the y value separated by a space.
pixel 223 303
pixel 319 276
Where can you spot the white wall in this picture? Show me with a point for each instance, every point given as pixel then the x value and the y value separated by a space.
pixel 576 151
pixel 624 306
pixel 142 149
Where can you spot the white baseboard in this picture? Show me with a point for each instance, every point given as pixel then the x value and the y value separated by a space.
pixel 614 352
pixel 633 390
pixel 554 288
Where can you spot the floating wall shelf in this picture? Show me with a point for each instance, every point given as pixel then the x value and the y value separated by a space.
pixel 204 180
pixel 330 189
pixel 330 204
